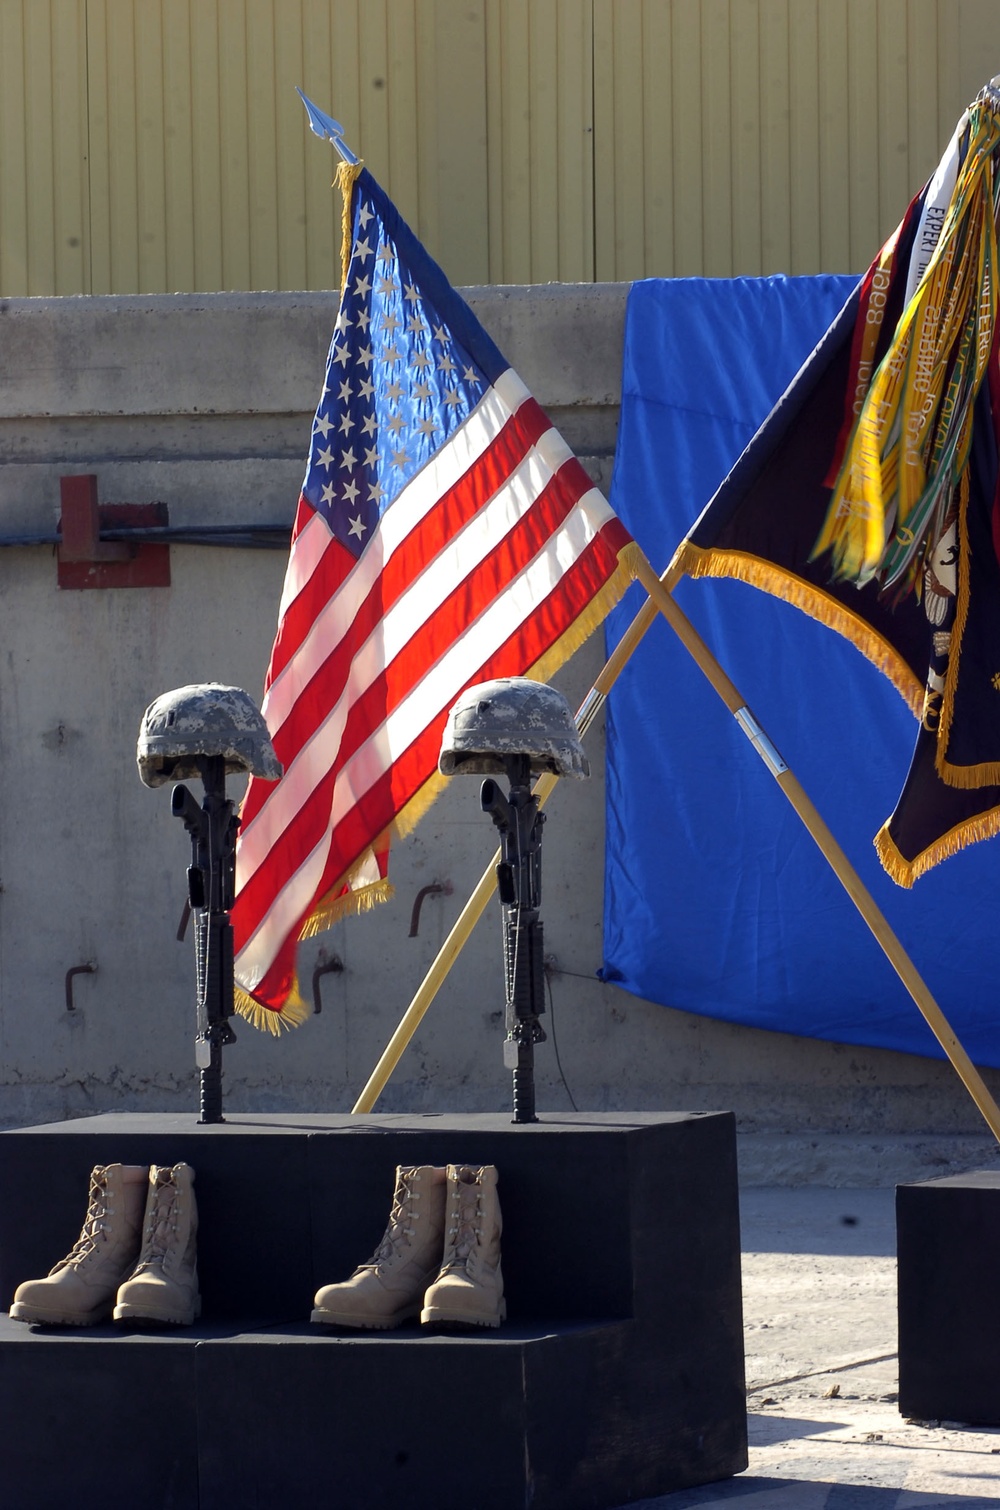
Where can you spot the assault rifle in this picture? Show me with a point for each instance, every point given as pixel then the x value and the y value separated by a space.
pixel 211 883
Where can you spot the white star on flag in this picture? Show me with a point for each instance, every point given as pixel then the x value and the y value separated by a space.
pixel 466 542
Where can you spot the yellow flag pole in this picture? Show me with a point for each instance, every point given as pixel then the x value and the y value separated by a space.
pixel 832 853
pixel 476 905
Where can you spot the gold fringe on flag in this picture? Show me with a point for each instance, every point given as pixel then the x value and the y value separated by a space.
pixel 296 1009
pixel 347 175
pixel 697 562
pixel 594 614
pixel 339 903
pixel 904 872
pixel 292 1015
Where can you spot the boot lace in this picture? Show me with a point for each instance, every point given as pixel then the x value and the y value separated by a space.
pixel 466 1225
pixel 161 1223
pixel 94 1229
pixel 400 1229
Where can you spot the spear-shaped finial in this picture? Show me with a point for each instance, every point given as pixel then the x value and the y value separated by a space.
pixel 326 127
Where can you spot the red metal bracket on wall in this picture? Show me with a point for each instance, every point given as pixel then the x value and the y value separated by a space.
pixel 85 560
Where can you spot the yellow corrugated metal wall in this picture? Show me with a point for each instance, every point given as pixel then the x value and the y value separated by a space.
pixel 158 145
pixel 758 136
pixel 44 194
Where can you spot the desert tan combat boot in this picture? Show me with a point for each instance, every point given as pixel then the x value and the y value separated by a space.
pixel 80 1290
pixel 390 1287
pixel 469 1288
pixel 163 1286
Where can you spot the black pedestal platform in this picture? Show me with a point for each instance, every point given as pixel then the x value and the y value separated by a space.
pixel 948 1250
pixel 618 1375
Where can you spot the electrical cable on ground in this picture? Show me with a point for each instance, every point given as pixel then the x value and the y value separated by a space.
pixel 555 1043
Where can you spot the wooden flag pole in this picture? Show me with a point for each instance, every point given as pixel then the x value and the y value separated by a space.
pixel 660 599
pixel 476 905
pixel 832 853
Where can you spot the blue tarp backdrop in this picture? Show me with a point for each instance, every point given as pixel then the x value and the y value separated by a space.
pixel 717 900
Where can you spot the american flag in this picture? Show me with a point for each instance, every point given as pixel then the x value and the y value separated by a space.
pixel 445 535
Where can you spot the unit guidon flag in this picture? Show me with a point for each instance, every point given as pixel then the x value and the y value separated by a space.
pixel 717 899
pixel 869 495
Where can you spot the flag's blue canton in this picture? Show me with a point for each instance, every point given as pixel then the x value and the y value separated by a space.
pixel 397 385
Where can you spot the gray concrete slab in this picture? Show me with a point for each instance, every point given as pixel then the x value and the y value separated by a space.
pixel 819 1296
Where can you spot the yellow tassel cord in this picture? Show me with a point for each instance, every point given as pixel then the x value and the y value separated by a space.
pixel 904 872
pixel 696 562
pixel 347 174
pixel 912 436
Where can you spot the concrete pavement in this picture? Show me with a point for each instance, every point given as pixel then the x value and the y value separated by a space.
pixel 819 1295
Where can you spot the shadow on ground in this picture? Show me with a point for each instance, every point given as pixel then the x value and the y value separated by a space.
pixel 755 1493
pixel 769 1429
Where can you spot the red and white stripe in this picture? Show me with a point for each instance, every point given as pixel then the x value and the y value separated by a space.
pixel 479 566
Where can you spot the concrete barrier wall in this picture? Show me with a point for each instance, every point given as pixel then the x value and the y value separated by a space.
pixel 205 402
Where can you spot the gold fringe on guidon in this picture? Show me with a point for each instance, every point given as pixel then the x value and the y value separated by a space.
pixel 347 174
pixel 904 872
pixel 742 566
